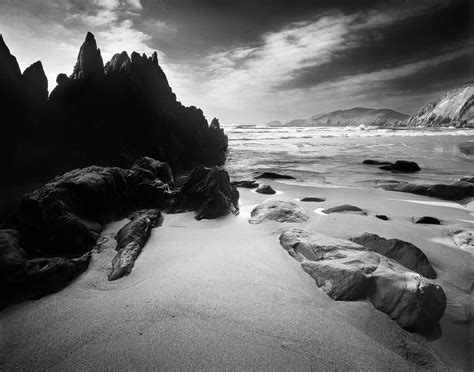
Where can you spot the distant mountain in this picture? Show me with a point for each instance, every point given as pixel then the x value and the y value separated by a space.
pixel 352 117
pixel 455 108
pixel 274 123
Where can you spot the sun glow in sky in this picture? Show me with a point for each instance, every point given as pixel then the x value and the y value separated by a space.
pixel 256 61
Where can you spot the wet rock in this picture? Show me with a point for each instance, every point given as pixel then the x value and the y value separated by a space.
pixel 402 166
pixel 456 191
pixel 274 176
pixel 464 239
pixel 278 210
pixel 467 179
pixel 23 276
pixel 403 252
pixel 426 220
pixel 266 189
pixel 130 241
pixel 312 199
pixel 158 169
pixel 65 215
pixel 382 217
pixel 345 208
pixel 209 192
pixel 248 184
pixel 375 162
pixel 347 271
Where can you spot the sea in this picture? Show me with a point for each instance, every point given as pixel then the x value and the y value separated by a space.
pixel 333 156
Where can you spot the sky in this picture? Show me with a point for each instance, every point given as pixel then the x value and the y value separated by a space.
pixel 255 61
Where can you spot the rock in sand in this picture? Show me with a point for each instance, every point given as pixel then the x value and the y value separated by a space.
pixel 278 210
pixel 266 189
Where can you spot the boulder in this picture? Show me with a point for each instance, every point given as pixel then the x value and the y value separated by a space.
pixel 382 217
pixel 375 162
pixel 209 192
pixel 426 220
pixel 347 271
pixel 345 208
pixel 248 184
pixel 274 176
pixel 266 189
pixel 312 199
pixel 403 252
pixel 402 166
pixel 23 276
pixel 278 210
pixel 467 179
pixel 65 215
pixel 456 191
pixel 130 241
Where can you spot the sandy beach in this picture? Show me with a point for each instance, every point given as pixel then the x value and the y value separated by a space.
pixel 223 294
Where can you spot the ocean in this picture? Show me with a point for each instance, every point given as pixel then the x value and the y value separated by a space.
pixel 334 156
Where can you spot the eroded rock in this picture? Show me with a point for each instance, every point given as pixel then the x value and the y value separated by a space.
pixel 403 252
pixel 347 271
pixel 209 192
pixel 130 241
pixel 248 184
pixel 274 176
pixel 23 276
pixel 402 166
pixel 426 220
pixel 345 208
pixel 312 199
pixel 278 210
pixel 266 189
pixel 456 191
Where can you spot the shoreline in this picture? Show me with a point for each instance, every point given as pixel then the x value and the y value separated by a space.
pixel 217 293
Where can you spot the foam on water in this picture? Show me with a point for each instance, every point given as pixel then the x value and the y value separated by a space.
pixel 334 155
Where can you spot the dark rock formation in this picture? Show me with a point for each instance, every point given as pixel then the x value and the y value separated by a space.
pixel 402 166
pixel 347 271
pixel 105 116
pixel 382 217
pixel 65 215
pixel 467 179
pixel 130 241
pixel 23 103
pixel 266 189
pixel 403 252
pixel 248 184
pixel 345 208
pixel 23 276
pixel 47 241
pixel 209 192
pixel 312 199
pixel 375 162
pixel 278 210
pixel 426 220
pixel 456 191
pixel 274 176
pixel 89 63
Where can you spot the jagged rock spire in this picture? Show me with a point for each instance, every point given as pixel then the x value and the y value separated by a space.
pixel 9 68
pixel 89 61
pixel 118 63
pixel 36 83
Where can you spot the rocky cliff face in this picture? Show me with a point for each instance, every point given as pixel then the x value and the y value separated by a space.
pixel 455 108
pixel 98 115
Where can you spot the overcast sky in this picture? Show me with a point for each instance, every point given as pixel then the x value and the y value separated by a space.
pixel 253 61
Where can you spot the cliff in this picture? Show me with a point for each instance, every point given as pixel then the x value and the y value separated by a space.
pixel 455 108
